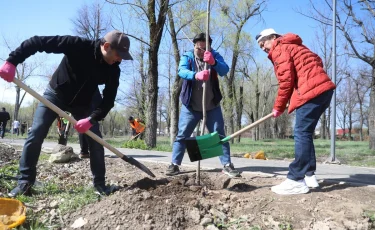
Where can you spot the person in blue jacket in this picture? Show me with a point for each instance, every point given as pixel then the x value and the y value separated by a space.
pixel 191 69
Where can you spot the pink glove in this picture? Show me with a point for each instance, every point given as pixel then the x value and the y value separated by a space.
pixel 276 113
pixel 202 75
pixel 208 58
pixel 83 125
pixel 7 71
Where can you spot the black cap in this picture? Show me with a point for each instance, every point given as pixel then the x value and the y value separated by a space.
pixel 120 42
pixel 3 108
pixel 201 38
pixel 131 118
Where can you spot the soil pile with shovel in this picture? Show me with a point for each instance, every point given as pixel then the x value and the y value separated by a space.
pixel 222 203
pixel 177 203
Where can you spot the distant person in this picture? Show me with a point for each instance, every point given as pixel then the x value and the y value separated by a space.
pixel 23 128
pixel 308 89
pixel 137 126
pixel 4 118
pixel 16 127
pixel 63 126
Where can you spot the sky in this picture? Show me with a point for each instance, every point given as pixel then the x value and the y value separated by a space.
pixel 23 19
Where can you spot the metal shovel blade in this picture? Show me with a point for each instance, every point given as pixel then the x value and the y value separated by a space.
pixel 138 164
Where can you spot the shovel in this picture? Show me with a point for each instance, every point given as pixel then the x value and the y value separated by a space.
pixel 210 145
pixel 61 113
pixel 135 136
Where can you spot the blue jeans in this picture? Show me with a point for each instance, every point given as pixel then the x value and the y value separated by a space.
pixel 307 117
pixel 43 119
pixel 188 121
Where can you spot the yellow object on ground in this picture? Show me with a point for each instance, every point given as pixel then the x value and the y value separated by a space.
pixel 247 155
pixel 12 213
pixel 260 155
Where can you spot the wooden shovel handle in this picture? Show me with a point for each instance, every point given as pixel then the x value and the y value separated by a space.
pixel 249 127
pixel 66 116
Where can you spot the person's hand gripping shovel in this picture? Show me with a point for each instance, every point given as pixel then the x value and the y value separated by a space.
pixel 83 125
pixel 210 145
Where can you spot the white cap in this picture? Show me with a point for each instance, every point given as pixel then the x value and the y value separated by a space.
pixel 265 33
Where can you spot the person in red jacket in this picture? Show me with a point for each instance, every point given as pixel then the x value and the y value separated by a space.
pixel 308 89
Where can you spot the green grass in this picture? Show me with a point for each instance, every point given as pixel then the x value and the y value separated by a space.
pixel 8 170
pixel 44 157
pixel 70 198
pixel 370 214
pixel 77 198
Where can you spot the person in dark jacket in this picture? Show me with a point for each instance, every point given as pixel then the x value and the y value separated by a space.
pixel 4 118
pixel 305 85
pixel 85 65
pixel 23 127
pixel 191 69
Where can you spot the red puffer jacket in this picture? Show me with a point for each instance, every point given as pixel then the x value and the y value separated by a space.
pixel 299 72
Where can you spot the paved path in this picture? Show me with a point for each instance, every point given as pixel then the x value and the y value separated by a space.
pixel 338 173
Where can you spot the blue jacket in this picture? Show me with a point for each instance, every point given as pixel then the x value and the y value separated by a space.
pixel 186 70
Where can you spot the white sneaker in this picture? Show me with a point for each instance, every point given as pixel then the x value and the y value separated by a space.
pixel 311 181
pixel 289 187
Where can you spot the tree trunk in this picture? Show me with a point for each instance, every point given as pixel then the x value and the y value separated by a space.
pixel 372 112
pixel 239 108
pixel 323 126
pixel 17 103
pixel 156 32
pixel 257 99
pixel 360 101
pixel 177 84
pixel 328 127
pixel 143 97
pixel 153 89
pixel 361 123
pixel 350 125
pixel 230 83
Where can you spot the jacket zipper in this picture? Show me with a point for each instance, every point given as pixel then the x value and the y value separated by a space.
pixel 77 93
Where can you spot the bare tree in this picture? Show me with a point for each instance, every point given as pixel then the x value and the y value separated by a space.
pixel 112 122
pixel 91 22
pixel 154 13
pixel 355 21
pixel 178 21
pixel 23 72
pixel 362 86
pixel 237 17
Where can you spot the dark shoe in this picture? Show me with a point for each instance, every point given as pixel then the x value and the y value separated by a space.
pixel 231 171
pixel 83 155
pixel 172 170
pixel 21 189
pixel 106 190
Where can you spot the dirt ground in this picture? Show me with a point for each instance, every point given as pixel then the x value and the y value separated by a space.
pixel 171 203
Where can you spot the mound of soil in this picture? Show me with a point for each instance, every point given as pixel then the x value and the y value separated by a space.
pixel 217 203
pixel 178 203
pixel 7 154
